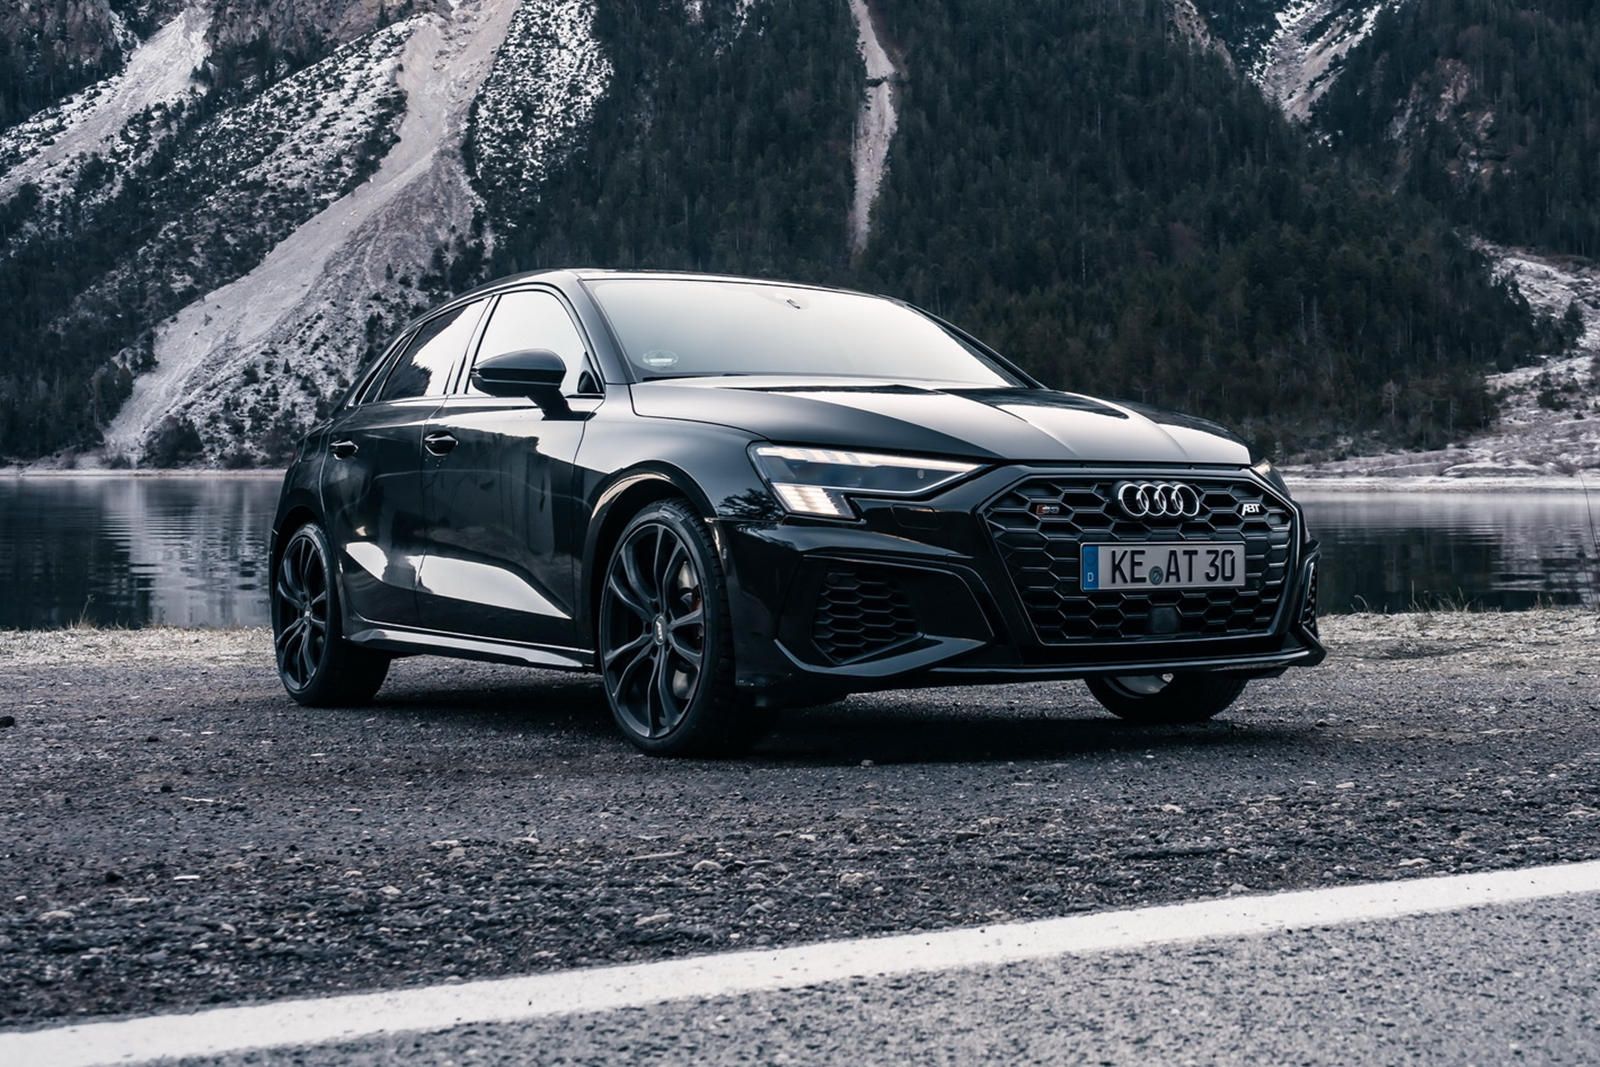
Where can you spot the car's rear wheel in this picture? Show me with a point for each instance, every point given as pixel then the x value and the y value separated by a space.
pixel 1163 699
pixel 666 646
pixel 317 666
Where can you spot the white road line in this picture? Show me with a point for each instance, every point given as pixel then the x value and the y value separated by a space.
pixel 317 1021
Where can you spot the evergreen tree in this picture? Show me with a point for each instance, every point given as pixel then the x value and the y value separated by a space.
pixel 1488 108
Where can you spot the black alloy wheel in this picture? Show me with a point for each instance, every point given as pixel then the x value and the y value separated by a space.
pixel 655 637
pixel 300 614
pixel 665 651
pixel 316 665
pixel 1166 699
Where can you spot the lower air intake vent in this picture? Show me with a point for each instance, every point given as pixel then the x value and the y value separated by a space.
pixel 860 611
pixel 1308 612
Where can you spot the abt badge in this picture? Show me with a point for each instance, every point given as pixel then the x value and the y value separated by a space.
pixel 1250 510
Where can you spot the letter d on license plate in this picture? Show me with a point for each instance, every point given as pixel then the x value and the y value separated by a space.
pixel 1163 565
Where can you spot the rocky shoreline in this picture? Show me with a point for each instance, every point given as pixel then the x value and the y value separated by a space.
pixel 1309 482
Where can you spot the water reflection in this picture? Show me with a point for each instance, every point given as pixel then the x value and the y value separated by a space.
pixel 191 551
pixel 1504 549
pixel 133 551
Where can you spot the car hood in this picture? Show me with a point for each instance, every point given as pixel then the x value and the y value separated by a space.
pixel 1023 425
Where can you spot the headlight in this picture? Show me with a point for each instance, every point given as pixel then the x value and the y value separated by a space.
pixel 1270 473
pixel 816 481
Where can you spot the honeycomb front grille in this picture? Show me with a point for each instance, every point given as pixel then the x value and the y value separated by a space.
pixel 860 611
pixel 1040 548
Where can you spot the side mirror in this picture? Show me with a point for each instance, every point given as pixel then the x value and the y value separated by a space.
pixel 535 373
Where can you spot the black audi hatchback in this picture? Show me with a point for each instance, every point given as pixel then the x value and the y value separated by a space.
pixel 725 495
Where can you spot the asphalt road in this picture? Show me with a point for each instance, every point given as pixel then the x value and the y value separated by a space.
pixel 174 833
pixel 1495 986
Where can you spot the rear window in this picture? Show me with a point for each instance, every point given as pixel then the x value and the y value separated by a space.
pixel 423 369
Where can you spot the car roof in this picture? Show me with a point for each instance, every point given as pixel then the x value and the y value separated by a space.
pixel 595 274
pixel 587 274
pixel 564 277
pixel 560 277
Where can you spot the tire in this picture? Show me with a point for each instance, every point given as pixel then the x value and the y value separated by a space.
pixel 1166 699
pixel 665 642
pixel 317 666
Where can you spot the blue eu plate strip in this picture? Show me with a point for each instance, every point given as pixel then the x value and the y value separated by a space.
pixel 1089 568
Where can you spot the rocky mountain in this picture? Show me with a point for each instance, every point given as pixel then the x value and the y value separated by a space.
pixel 1547 420
pixel 232 203
pixel 1293 49
pixel 1489 110
pixel 1486 108
pixel 49 48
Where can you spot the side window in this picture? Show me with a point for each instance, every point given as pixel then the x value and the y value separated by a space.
pixel 423 369
pixel 533 319
pixel 366 387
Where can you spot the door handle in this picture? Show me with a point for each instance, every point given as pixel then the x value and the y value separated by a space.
pixel 439 442
pixel 344 449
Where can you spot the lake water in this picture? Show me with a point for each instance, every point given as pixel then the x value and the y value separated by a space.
pixel 190 551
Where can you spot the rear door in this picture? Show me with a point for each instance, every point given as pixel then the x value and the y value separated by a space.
pixel 372 490
pixel 499 483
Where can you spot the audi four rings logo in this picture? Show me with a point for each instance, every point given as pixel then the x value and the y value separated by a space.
pixel 1159 500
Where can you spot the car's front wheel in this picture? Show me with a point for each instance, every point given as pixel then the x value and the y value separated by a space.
pixel 317 666
pixel 666 646
pixel 1164 699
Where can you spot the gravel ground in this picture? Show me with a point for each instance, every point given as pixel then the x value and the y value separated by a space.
pixel 174 832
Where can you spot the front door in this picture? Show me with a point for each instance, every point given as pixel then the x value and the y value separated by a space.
pixel 372 479
pixel 499 485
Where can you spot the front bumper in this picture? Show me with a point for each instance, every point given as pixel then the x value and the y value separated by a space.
pixel 921 594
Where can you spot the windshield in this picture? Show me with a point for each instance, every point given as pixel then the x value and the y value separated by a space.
pixel 678 328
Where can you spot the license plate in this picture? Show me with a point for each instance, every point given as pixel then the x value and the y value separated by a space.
pixel 1163 565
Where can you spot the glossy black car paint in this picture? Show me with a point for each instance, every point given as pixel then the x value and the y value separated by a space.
pixel 480 526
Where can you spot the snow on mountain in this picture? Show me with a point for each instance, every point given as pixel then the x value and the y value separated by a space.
pixel 50 148
pixel 262 355
pixel 298 27
pixel 874 127
pixel 1192 26
pixel 273 342
pixel 540 93
pixel 1549 411
pixel 1306 51
pixel 294 228
pixel 696 10
pixel 1553 407
pixel 51 49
